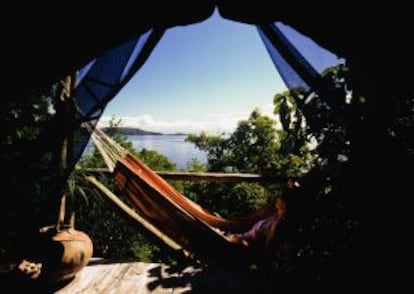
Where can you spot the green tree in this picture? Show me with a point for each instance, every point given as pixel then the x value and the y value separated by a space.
pixel 256 146
pixel 326 226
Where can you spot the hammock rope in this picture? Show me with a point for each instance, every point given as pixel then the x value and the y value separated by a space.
pixel 132 213
pixel 110 150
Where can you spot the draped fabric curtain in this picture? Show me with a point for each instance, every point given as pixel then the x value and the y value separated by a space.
pixel 101 79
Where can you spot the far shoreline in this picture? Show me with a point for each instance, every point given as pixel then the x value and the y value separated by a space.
pixel 128 131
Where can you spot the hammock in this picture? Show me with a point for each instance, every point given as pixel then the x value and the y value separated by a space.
pixel 160 208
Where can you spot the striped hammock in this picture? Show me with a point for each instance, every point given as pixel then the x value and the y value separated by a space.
pixel 160 208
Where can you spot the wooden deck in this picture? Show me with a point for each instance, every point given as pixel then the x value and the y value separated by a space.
pixel 138 277
pixel 130 277
pixel 102 276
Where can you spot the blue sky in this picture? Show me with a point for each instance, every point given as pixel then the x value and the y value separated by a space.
pixel 206 76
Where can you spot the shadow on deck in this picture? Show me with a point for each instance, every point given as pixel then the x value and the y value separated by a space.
pixel 138 277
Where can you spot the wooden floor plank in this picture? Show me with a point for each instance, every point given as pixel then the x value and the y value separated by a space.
pixel 138 277
pixel 131 277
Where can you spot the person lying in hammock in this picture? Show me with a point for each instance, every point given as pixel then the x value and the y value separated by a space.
pixel 261 235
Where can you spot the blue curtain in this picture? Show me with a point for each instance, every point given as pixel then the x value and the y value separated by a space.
pixel 102 78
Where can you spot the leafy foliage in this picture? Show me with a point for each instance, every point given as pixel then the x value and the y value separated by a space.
pixel 256 146
pixel 29 167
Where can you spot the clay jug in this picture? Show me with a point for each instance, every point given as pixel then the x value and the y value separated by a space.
pixel 64 252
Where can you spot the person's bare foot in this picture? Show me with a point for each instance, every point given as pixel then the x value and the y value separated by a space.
pixel 233 238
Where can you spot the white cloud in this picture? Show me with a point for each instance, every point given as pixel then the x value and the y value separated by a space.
pixel 213 123
pixel 147 122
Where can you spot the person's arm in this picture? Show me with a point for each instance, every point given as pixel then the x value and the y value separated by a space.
pixel 250 236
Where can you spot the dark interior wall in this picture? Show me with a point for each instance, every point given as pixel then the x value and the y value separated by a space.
pixel 41 44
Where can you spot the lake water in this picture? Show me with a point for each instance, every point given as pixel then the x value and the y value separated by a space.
pixel 172 146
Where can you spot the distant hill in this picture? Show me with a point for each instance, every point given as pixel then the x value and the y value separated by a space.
pixel 134 131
